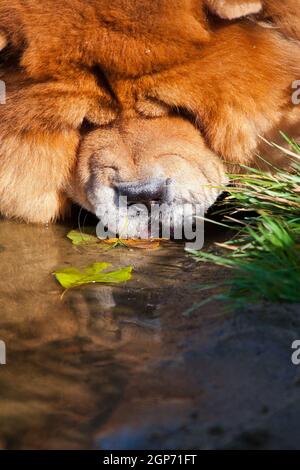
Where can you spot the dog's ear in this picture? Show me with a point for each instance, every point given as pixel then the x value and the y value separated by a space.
pixel 233 9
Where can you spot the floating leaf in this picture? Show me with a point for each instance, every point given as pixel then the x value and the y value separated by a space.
pixel 79 238
pixel 149 244
pixel 73 277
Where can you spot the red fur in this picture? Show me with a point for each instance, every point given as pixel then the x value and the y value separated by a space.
pixel 97 59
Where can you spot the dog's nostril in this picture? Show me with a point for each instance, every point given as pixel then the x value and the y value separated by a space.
pixel 153 189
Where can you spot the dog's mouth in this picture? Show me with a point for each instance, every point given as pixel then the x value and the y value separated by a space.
pixel 145 209
pixel 152 221
pixel 147 177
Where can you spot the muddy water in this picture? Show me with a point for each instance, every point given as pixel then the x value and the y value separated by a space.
pixel 126 367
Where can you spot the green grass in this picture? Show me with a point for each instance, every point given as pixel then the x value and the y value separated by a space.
pixel 263 210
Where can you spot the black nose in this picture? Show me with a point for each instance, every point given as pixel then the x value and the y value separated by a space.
pixel 154 189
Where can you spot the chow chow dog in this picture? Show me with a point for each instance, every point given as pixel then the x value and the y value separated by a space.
pixel 149 100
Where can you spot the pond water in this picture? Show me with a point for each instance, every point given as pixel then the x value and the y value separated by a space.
pixel 126 366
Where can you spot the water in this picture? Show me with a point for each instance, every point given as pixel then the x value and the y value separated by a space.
pixel 124 366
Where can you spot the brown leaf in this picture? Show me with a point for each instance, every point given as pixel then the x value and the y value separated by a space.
pixel 148 244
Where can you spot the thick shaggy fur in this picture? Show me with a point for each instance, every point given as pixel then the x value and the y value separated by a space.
pixel 95 60
pixel 125 38
pixel 45 158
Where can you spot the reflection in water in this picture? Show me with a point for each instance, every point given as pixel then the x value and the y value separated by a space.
pixel 70 360
pixel 121 367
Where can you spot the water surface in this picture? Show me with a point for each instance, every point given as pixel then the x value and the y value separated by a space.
pixel 124 366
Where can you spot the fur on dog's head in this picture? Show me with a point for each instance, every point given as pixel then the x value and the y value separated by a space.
pixel 126 38
pixel 162 159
